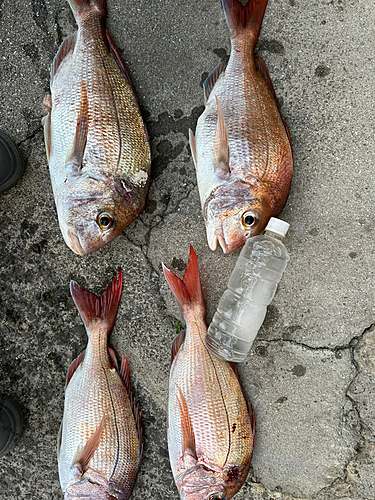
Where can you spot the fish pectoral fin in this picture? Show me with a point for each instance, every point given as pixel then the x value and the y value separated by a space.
pixel 176 344
pixel 221 147
pixel 84 457
pixel 74 161
pixel 212 78
pixel 65 48
pixel 73 367
pixel 188 444
pixel 193 148
pixel 46 122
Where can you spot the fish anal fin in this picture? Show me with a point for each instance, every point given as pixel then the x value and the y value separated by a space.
pixel 187 291
pixel 193 148
pixel 176 344
pixel 112 357
pixel 65 48
pixel 221 146
pixel 73 367
pixel 93 308
pixel 74 161
pixel 124 375
pixel 212 78
pixel 188 444
pixel 84 457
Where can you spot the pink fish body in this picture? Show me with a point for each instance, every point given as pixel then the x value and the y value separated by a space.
pixel 241 149
pixel 99 449
pixel 210 424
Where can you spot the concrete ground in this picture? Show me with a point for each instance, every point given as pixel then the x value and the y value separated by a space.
pixel 310 375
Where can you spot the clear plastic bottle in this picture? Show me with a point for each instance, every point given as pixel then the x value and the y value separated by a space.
pixel 251 287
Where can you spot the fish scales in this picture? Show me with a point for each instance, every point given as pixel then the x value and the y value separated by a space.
pixel 210 424
pixel 98 410
pixel 96 141
pixel 255 180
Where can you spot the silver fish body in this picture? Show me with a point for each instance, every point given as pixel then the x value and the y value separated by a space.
pixel 96 142
pixel 99 449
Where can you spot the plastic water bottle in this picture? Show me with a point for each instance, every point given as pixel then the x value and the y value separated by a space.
pixel 251 287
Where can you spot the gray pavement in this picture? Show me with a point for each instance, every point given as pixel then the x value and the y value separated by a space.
pixel 311 373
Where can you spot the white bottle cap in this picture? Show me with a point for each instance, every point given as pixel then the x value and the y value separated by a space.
pixel 277 226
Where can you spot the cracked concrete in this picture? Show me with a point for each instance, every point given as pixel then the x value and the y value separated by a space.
pixel 310 375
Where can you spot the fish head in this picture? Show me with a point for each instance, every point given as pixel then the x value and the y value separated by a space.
pixel 204 482
pixel 90 219
pixel 231 219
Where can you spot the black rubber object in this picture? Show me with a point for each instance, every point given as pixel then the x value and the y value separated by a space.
pixel 11 421
pixel 11 164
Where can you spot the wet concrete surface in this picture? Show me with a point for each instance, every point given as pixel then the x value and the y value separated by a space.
pixel 310 374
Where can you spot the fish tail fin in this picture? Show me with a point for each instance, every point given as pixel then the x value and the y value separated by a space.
pixel 95 309
pixel 246 18
pixel 187 291
pixel 81 7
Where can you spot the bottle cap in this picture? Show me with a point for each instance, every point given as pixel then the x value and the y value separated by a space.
pixel 277 226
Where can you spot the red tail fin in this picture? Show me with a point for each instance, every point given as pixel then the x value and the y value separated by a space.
pixel 93 308
pixel 80 6
pixel 188 291
pixel 247 18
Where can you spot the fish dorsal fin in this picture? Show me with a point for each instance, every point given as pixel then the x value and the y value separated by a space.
pixel 188 437
pixel 221 146
pixel 193 147
pixel 117 58
pixel 67 46
pixel 73 367
pixel 74 161
pixel 176 344
pixel 124 375
pixel 212 78
pixel 84 457
pixel 93 308
pixel 261 65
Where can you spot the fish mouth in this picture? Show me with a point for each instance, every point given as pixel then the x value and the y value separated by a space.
pixel 220 238
pixel 74 243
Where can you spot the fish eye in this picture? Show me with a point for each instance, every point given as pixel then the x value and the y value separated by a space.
pixel 216 496
pixel 248 220
pixel 104 220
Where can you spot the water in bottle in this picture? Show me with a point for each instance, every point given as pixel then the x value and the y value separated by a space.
pixel 251 287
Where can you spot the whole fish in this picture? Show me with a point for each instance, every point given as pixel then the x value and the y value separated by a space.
pixel 211 428
pixel 96 142
pixel 100 441
pixel 241 150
